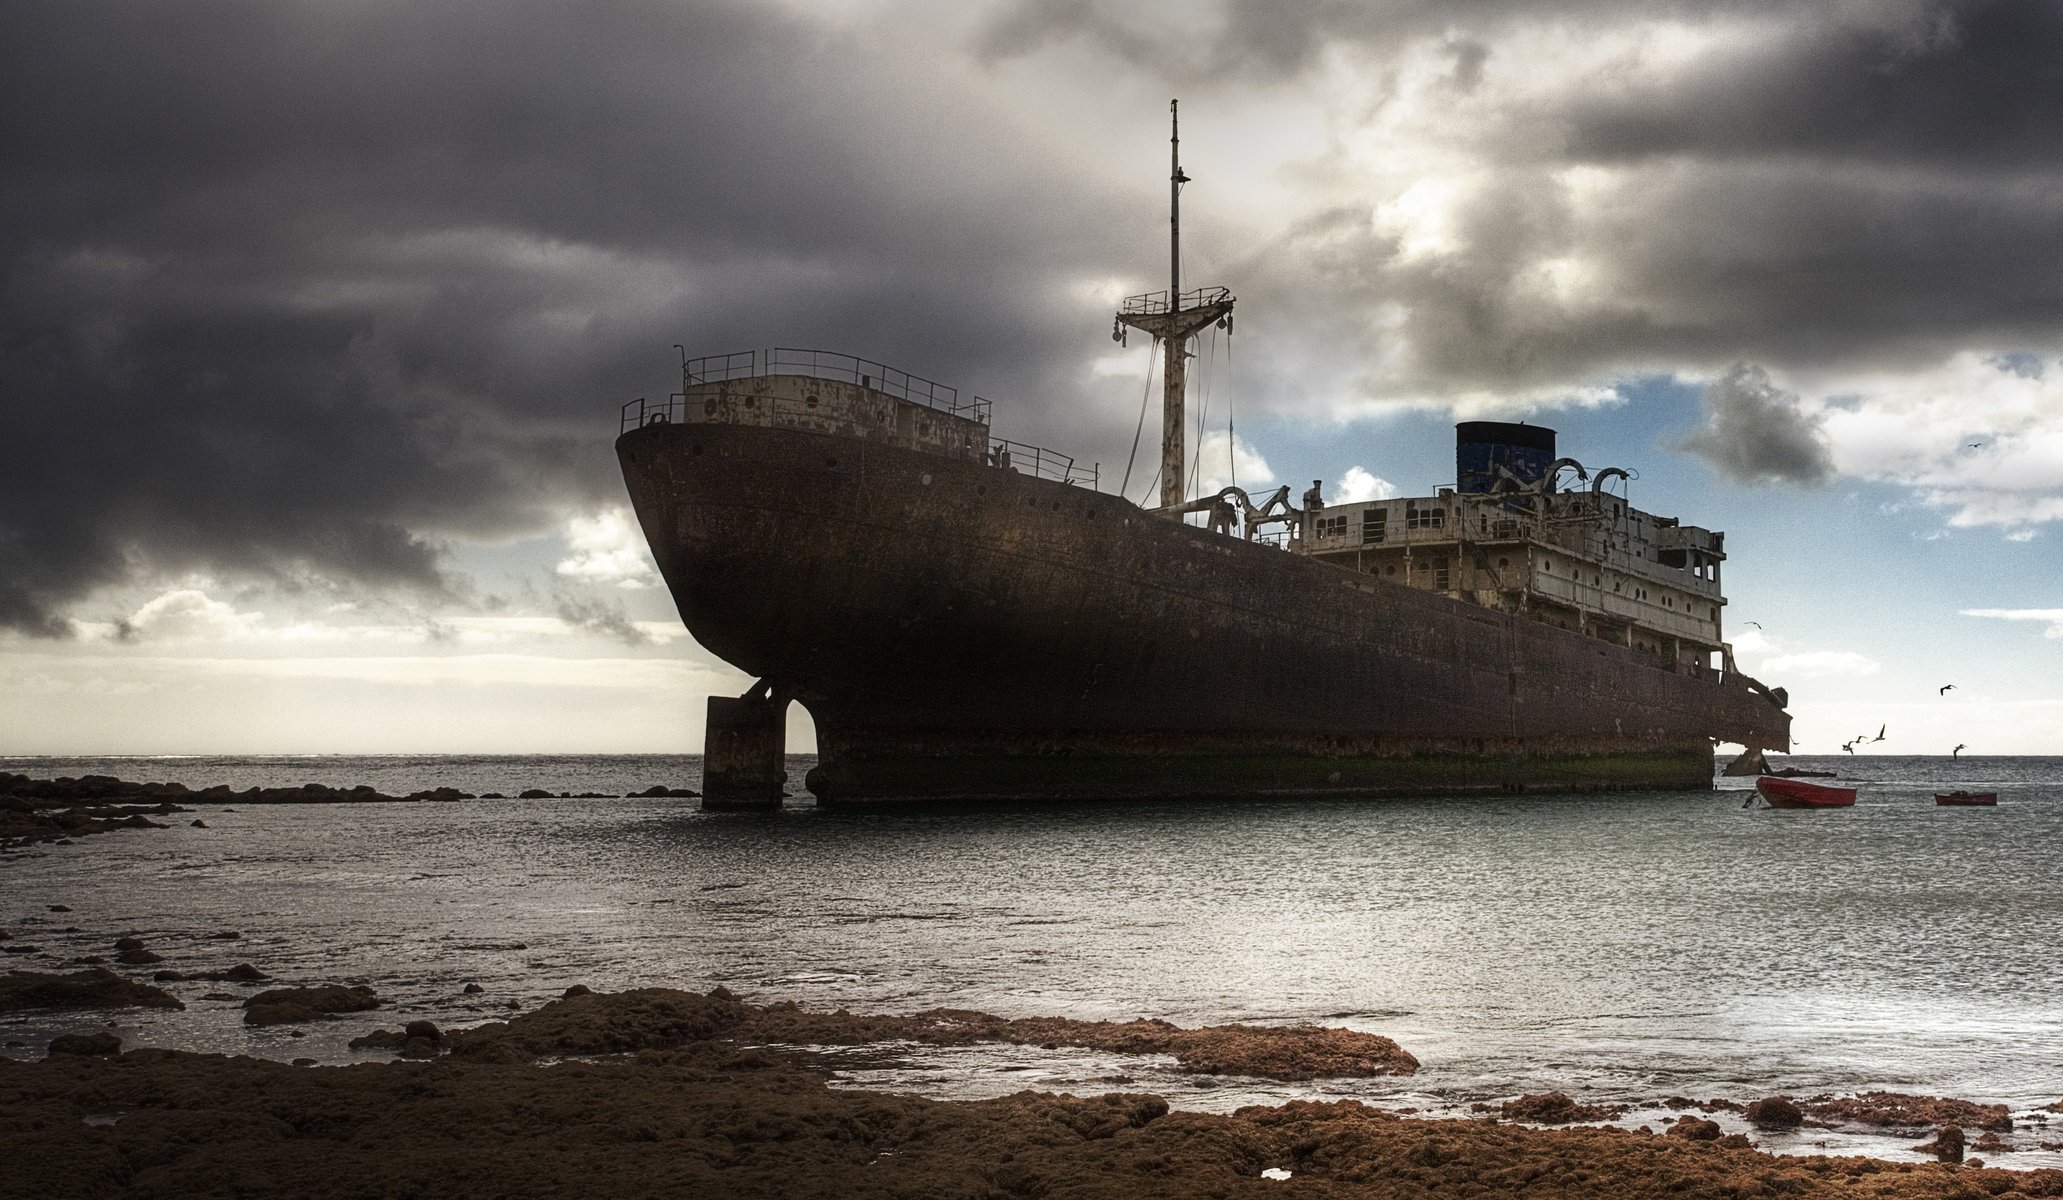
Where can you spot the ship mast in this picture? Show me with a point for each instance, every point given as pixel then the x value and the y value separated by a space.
pixel 1173 318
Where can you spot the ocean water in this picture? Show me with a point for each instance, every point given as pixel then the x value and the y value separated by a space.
pixel 1618 947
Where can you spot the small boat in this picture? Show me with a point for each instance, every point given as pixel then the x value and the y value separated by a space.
pixel 1972 799
pixel 1796 793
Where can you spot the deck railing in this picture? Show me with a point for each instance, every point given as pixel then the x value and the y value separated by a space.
pixel 827 364
pixel 1039 461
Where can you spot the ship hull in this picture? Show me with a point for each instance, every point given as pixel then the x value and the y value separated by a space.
pixel 961 631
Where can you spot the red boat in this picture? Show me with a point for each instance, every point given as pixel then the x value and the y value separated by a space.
pixel 1796 793
pixel 1967 798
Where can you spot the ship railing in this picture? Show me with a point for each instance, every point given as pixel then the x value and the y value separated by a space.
pixel 1156 303
pixel 1039 461
pixel 642 412
pixel 845 368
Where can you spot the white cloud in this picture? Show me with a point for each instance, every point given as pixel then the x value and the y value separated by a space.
pixel 1358 485
pixel 1814 664
pixel 1766 657
pixel 187 614
pixel 1223 460
pixel 1979 434
pixel 2052 616
pixel 608 548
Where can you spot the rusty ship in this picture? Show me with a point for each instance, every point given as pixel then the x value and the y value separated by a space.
pixel 969 618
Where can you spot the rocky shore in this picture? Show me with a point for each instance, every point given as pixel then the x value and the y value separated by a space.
pixel 64 808
pixel 666 1093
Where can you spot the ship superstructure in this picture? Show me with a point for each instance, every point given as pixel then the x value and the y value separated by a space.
pixel 1510 536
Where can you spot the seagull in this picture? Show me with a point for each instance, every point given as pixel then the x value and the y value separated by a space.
pixel 1945 689
pixel 1880 734
pixel 1756 624
pixel 1958 749
pixel 1849 746
pixel 1974 445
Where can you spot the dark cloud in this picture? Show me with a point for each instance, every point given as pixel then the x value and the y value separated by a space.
pixel 1755 433
pixel 1815 187
pixel 1269 41
pixel 1969 82
pixel 599 617
pixel 306 290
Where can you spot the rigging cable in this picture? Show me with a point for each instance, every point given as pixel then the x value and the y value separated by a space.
pixel 1203 412
pixel 1125 488
pixel 1231 437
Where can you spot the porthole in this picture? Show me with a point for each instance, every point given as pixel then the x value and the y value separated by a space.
pixel 1503 562
pixel 810 400
pixel 925 480
pixel 695 451
pixel 830 462
pixel 709 407
pixel 751 402
pixel 1033 502
pixel 1056 506
pixel 981 489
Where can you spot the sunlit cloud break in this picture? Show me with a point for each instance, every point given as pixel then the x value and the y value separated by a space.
pixel 608 548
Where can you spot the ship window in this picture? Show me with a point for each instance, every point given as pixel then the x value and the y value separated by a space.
pixel 751 402
pixel 1423 518
pixel 1547 565
pixel 1332 526
pixel 709 407
pixel 810 400
pixel 1374 525
pixel 1390 570
pixel 1503 562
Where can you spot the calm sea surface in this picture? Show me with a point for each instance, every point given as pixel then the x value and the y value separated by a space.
pixel 1620 947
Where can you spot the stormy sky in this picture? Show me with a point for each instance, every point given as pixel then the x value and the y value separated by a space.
pixel 314 316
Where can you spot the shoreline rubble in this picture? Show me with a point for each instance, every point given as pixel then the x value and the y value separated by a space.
pixel 58 810
pixel 657 1091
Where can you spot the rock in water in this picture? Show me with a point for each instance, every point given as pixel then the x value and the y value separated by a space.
pixel 86 1043
pixel 292 1006
pixel 1696 1129
pixel 95 987
pixel 1554 1108
pixel 1774 1112
pixel 1946 1146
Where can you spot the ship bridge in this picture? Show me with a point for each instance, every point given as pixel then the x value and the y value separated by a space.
pixel 1509 537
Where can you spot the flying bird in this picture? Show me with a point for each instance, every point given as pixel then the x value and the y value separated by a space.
pixel 1958 749
pixel 1756 624
pixel 1880 733
pixel 1945 689
pixel 1849 746
pixel 1974 445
